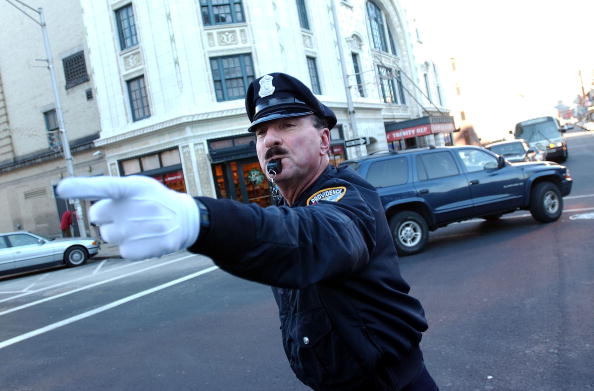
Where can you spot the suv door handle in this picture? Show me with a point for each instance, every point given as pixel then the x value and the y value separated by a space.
pixel 474 182
pixel 424 191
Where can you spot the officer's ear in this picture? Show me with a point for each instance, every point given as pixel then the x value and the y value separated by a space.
pixel 324 141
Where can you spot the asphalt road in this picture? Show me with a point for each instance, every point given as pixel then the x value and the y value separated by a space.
pixel 510 306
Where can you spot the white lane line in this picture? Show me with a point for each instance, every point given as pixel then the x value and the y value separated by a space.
pixel 35 282
pixel 76 318
pixel 83 288
pixel 577 210
pixel 99 267
pixel 70 281
pixel 578 196
pixel 505 217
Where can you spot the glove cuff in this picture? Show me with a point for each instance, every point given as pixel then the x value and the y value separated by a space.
pixel 190 219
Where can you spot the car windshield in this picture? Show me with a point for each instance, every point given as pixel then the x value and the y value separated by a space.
pixel 540 131
pixel 510 149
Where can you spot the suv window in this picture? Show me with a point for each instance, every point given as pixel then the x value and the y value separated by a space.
pixel 3 242
pixel 21 240
pixel 476 160
pixel 389 172
pixel 436 165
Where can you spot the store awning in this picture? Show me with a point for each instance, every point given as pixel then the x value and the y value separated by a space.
pixel 419 127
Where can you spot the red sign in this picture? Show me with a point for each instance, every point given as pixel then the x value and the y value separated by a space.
pixel 415 131
pixel 420 130
pixel 337 149
pixel 173 177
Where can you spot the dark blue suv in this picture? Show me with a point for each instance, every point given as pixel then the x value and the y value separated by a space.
pixel 424 189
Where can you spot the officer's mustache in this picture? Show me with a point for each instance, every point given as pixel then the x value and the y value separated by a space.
pixel 274 151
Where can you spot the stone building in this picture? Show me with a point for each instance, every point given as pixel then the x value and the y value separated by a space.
pixel 31 160
pixel 171 77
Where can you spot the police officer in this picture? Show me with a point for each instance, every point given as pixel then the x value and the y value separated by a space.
pixel 347 320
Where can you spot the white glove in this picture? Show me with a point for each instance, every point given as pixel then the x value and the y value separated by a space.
pixel 137 213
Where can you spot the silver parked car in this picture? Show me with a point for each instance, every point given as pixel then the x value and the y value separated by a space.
pixel 23 251
pixel 516 151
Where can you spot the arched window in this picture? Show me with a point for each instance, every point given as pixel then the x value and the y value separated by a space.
pixel 380 33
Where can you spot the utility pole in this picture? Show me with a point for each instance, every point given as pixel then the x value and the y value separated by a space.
pixel 345 77
pixel 57 102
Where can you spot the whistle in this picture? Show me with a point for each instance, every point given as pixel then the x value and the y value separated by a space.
pixel 274 167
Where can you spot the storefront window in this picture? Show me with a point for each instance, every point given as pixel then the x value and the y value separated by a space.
pixel 130 167
pixel 150 162
pixel 242 181
pixel 170 158
pixel 256 184
pixel 164 166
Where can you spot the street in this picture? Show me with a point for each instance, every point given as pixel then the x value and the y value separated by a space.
pixel 509 304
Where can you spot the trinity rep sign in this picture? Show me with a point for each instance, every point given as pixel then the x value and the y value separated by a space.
pixel 419 127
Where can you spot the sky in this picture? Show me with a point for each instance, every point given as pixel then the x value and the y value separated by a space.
pixel 518 58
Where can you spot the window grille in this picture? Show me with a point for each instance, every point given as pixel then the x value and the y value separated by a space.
pixel 75 69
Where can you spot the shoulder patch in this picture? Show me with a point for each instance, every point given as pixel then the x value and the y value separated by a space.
pixel 330 194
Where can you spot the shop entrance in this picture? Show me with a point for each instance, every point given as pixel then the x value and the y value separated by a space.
pixel 242 180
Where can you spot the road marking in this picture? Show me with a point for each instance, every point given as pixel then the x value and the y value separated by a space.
pixel 579 196
pixel 99 267
pixel 69 281
pixel 35 282
pixel 103 308
pixel 582 216
pixel 577 210
pixel 83 288
pixel 505 217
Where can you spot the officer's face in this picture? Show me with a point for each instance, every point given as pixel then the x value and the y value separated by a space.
pixel 301 148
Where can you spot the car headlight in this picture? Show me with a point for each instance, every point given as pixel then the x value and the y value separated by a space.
pixel 567 174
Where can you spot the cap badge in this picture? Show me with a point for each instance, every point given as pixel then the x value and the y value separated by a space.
pixel 266 87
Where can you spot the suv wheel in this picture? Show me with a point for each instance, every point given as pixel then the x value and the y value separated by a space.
pixel 409 231
pixel 546 203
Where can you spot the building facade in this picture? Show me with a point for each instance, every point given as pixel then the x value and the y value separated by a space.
pixel 31 158
pixel 171 77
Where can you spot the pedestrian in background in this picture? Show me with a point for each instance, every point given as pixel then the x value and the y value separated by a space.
pixel 347 319
pixel 66 221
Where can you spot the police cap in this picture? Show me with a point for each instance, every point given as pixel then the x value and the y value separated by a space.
pixel 278 95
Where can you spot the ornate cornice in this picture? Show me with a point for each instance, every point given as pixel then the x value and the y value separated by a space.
pixel 182 120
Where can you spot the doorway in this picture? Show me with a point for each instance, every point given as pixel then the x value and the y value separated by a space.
pixel 242 180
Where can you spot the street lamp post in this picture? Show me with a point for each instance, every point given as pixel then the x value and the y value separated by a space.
pixel 345 77
pixel 58 104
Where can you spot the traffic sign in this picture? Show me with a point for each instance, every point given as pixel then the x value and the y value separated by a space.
pixel 356 141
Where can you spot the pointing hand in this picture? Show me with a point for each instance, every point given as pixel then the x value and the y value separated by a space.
pixel 137 213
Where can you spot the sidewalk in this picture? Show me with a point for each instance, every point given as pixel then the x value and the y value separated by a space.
pixel 107 251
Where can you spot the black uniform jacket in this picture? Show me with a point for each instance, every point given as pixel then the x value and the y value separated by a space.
pixel 347 320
